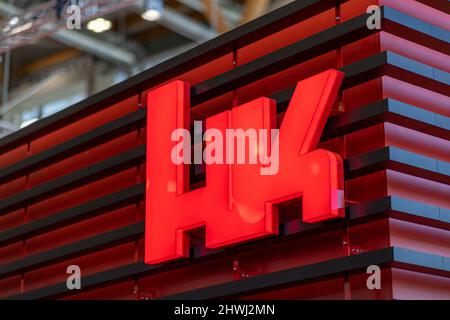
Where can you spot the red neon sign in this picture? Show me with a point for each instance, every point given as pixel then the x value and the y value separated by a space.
pixel 238 203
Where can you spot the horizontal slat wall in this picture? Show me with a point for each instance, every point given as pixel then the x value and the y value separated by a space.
pixel 72 186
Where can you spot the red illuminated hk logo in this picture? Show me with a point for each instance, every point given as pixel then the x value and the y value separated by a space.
pixel 238 203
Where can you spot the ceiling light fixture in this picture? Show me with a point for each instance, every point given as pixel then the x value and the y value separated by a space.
pixel 13 21
pixel 99 25
pixel 153 10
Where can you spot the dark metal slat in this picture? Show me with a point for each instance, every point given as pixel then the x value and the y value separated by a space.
pixel 86 210
pixel 74 179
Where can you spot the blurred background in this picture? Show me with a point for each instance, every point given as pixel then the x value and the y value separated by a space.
pixel 56 53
